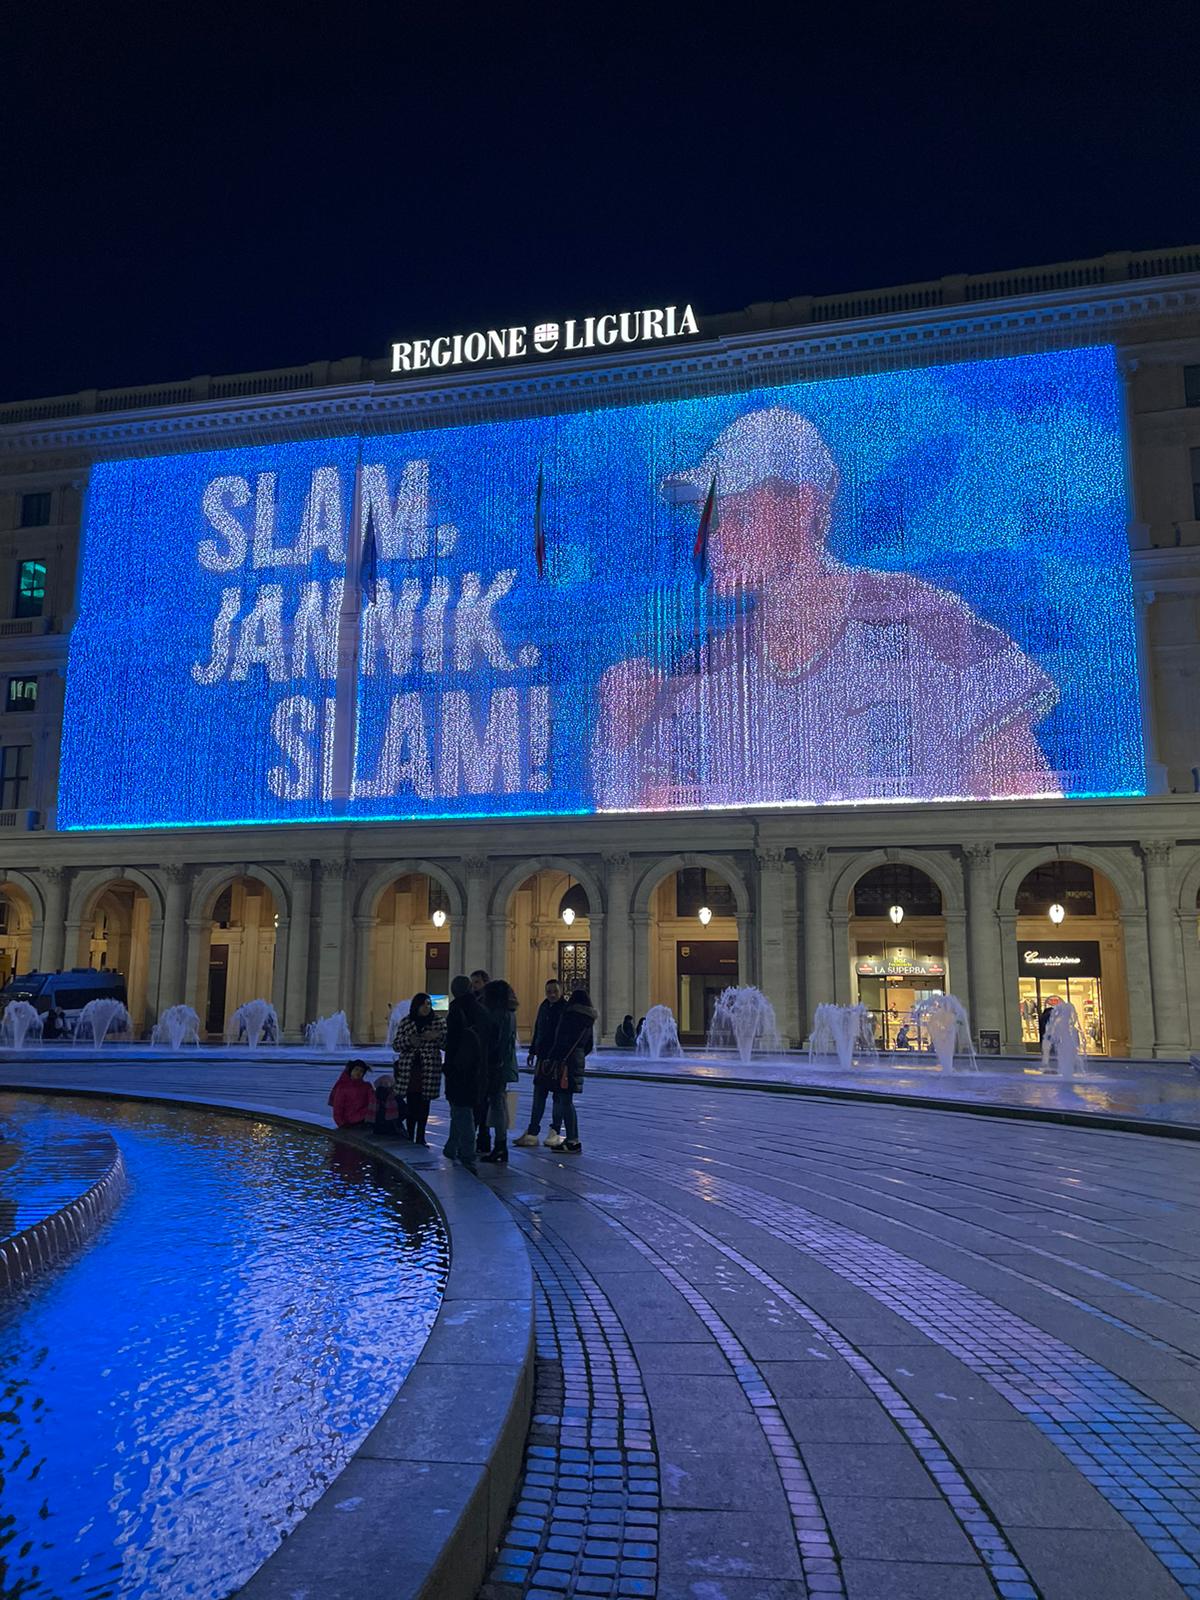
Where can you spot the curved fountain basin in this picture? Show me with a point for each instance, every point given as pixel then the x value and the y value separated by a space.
pixel 190 1385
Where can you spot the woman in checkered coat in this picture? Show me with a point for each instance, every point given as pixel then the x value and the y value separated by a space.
pixel 418 1043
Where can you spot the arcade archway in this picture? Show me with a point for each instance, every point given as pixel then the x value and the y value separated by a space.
pixel 1071 947
pixel 693 952
pixel 16 932
pixel 114 936
pixel 549 935
pixel 411 946
pixel 243 923
pixel 897 948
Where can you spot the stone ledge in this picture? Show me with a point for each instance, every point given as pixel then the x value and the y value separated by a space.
pixel 31 1251
pixel 420 1506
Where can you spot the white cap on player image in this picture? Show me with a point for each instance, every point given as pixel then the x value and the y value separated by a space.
pixel 774 443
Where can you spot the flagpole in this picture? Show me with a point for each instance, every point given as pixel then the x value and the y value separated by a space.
pixel 345 716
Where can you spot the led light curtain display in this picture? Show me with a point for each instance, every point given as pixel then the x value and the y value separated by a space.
pixel 912 585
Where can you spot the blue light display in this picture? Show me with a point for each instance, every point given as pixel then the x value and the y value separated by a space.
pixel 912 585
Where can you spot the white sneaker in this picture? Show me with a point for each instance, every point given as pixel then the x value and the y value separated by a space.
pixel 554 1141
pixel 527 1141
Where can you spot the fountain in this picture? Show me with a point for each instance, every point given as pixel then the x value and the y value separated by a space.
pixel 843 1031
pixel 100 1018
pixel 331 1033
pixel 744 1020
pixel 942 1018
pixel 658 1037
pixel 1063 1040
pixel 178 1025
pixel 20 1021
pixel 255 1022
pixel 395 1016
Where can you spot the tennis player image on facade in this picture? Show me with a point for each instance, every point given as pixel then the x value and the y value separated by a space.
pixel 908 585
pixel 835 682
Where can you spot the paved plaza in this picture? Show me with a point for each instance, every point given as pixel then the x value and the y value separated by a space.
pixel 792 1346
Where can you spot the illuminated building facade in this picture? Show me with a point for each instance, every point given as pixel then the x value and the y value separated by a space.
pixel 864 626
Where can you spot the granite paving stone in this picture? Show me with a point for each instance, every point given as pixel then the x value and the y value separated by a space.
pixel 791 1347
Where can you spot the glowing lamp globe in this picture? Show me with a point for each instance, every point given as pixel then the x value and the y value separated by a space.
pixel 897 914
pixel 568 915
pixel 705 915
pixel 1057 913
pixel 439 918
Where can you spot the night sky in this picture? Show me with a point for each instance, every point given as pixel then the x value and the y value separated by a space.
pixel 234 187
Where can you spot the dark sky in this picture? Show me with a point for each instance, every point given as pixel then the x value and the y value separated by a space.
pixel 231 187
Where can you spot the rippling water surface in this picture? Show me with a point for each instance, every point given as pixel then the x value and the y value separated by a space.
pixel 175 1397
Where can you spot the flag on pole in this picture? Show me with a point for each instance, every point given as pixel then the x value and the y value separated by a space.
pixel 708 520
pixel 539 529
pixel 368 563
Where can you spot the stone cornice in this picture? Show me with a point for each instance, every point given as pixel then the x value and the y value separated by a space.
pixel 910 338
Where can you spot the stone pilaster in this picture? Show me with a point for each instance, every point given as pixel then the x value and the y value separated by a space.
pixel 818 971
pixel 1170 1031
pixel 299 939
pixel 54 895
pixel 983 937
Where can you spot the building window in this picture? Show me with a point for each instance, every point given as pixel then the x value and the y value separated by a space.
pixel 696 887
pixel 14 776
pixel 35 509
pixel 22 694
pixel 1191 386
pixel 30 600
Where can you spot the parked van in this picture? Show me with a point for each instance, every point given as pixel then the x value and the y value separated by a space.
pixel 69 991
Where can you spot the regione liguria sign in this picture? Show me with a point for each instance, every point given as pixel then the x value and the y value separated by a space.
pixel 611 331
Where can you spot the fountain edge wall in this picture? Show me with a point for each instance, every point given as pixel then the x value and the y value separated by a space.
pixel 32 1251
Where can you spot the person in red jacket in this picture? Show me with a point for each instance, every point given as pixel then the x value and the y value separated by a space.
pixel 352 1098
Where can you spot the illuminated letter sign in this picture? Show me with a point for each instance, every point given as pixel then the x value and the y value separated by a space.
pixel 546 338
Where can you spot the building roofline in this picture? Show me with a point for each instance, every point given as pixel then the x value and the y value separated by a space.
pixel 949 319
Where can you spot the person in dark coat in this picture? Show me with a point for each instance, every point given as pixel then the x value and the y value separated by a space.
pixel 352 1098
pixel 544 1027
pixel 467 1034
pixel 483 1143
pixel 418 1042
pixel 500 1003
pixel 626 1035
pixel 573 1040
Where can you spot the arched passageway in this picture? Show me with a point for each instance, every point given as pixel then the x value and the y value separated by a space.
pixel 693 946
pixel 114 936
pixel 16 932
pixel 410 948
pixel 549 936
pixel 897 948
pixel 241 951
pixel 1070 947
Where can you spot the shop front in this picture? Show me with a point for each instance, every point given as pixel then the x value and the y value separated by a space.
pixel 891 983
pixel 704 968
pixel 1051 971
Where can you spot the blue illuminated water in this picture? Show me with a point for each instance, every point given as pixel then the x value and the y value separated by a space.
pixel 175 1397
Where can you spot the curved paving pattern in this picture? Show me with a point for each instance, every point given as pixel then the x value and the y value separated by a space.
pixel 842 1349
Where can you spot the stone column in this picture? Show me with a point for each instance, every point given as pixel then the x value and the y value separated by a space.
pixel 957 964
pixel 278 966
pixel 641 964
pixel 475 935
pixel 618 951
pixel 195 981
pixel 845 990
pixel 745 934
pixel 496 958
pixel 171 980
pixel 982 937
pixel 1010 985
pixel 54 895
pixel 1165 992
pixel 596 958
pixel 299 936
pixel 364 928
pixel 818 974
pixel 334 878
pixel 776 968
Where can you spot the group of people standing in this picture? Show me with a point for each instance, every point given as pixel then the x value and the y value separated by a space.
pixel 473 1048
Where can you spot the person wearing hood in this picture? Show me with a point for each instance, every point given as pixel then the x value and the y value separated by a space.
pixel 467 1031
pixel 417 1044
pixel 352 1098
pixel 500 1003
pixel 573 1042
pixel 626 1035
